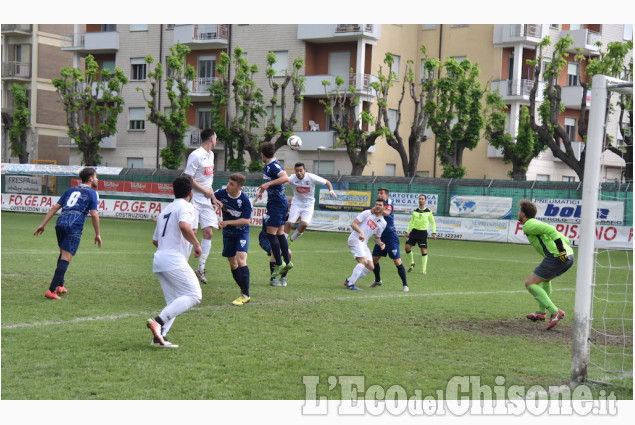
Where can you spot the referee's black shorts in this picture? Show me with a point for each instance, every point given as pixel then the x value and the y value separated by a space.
pixel 418 237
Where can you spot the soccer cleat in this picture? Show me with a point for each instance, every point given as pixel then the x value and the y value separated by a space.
pixel 405 288
pixel 284 281
pixel 61 290
pixel 200 273
pixel 166 344
pixel 424 272
pixel 241 300
pixel 277 270
pixel 555 318
pixel 52 295
pixel 412 267
pixel 353 287
pixel 536 316
pixel 274 282
pixel 346 282
pixel 156 330
pixel 287 267
pixel 375 283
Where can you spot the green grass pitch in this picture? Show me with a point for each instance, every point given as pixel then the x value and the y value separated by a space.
pixel 465 317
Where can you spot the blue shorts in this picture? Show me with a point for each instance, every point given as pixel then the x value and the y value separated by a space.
pixel 68 238
pixel 391 249
pixel 274 217
pixel 551 267
pixel 263 240
pixel 233 243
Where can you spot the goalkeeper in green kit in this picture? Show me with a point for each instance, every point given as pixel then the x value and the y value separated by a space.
pixel 558 258
pixel 417 233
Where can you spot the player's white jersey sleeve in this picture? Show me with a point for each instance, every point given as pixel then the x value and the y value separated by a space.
pixel 316 179
pixel 200 165
pixel 173 249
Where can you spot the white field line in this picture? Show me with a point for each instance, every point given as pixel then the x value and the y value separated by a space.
pixel 268 303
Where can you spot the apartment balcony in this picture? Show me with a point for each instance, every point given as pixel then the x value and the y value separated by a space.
pixel 16 71
pixel 192 138
pixel 572 97
pixel 199 88
pixel 202 36
pixel 109 142
pixel 312 140
pixel 330 33
pixel 585 39
pixel 511 90
pixel 577 147
pixel 17 29
pixel 91 42
pixel 506 35
pixel 314 88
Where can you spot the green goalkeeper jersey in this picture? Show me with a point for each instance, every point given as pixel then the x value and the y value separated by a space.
pixel 422 219
pixel 542 236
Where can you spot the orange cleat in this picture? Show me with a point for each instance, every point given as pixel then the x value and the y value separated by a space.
pixel 61 290
pixel 52 295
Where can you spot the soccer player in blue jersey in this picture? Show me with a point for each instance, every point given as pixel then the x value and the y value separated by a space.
pixel 390 238
pixel 76 204
pixel 236 214
pixel 277 206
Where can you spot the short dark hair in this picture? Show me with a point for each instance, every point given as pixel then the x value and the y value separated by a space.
pixel 207 134
pixel 383 201
pixel 383 189
pixel 421 194
pixel 182 186
pixel 268 149
pixel 86 173
pixel 299 164
pixel 238 178
pixel 528 208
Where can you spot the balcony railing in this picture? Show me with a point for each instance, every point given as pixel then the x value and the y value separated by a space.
pixel 192 138
pixel 25 28
pixel 344 28
pixel 522 89
pixel 201 85
pixel 13 69
pixel 210 31
pixel 593 37
pixel 92 41
pixel 314 87
pixel 525 30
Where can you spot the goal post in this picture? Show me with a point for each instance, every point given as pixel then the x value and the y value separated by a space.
pixel 602 86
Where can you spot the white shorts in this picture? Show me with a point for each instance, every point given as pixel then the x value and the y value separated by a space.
pixel 204 213
pixel 299 210
pixel 359 249
pixel 178 283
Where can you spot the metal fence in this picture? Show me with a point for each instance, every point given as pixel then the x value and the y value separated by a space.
pixel 443 188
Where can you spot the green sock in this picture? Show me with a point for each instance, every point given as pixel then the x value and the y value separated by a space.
pixel 546 286
pixel 424 262
pixel 411 257
pixel 541 296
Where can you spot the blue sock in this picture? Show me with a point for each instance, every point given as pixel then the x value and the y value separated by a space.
pixel 244 279
pixel 284 248
pixel 58 277
pixel 275 247
pixel 402 274
pixel 376 271
pixel 236 276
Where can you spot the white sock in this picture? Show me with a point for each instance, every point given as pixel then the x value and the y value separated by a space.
pixel 286 235
pixel 175 308
pixel 206 246
pixel 295 235
pixel 358 272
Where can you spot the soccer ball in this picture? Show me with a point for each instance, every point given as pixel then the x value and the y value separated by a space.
pixel 294 142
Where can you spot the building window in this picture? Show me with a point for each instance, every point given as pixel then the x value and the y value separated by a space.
pixel 204 118
pixel 138 69
pixel 135 162
pixel 324 167
pixel 569 128
pixel 206 73
pixel 554 26
pixel 572 74
pixel 459 59
pixel 458 25
pixel 569 179
pixel 137 118
pixel 108 27
pixel 425 74
pixel 542 177
pixel 138 27
pixel 282 62
pixel 392 119
pixel 390 170
pixel 545 69
pixel 169 26
pixel 396 66
pixel 429 26
pixel 628 31
pixel 278 118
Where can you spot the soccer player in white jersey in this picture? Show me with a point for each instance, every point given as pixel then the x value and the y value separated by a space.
pixel 368 223
pixel 200 167
pixel 174 239
pixel 303 185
